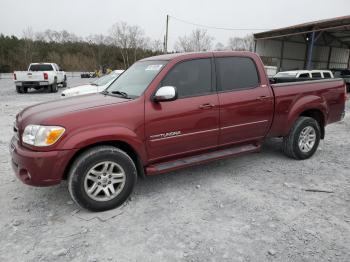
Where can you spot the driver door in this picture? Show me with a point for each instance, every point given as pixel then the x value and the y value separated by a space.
pixel 190 123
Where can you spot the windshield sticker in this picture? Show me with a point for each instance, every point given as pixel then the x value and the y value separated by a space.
pixel 153 67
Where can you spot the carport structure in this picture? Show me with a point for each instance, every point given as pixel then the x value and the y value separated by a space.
pixel 323 44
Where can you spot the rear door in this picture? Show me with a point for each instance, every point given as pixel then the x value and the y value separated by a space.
pixel 246 100
pixel 189 123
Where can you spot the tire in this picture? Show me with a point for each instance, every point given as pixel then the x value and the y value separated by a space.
pixel 64 83
pixel 53 88
pixel 22 89
pixel 88 170
pixel 298 144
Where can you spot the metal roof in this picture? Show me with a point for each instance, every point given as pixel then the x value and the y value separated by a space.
pixel 338 27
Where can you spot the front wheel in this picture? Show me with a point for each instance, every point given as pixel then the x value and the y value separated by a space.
pixel 303 139
pixel 102 178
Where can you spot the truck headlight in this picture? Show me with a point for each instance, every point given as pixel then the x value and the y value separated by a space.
pixel 37 135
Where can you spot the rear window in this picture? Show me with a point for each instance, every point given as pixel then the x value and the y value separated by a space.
pixel 327 75
pixel 304 75
pixel 236 73
pixel 41 67
pixel 316 75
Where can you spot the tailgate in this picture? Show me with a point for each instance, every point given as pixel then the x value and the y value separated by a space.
pixel 30 76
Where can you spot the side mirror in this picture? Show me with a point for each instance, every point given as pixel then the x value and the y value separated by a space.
pixel 165 93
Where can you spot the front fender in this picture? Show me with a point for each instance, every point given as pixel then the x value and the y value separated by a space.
pixel 88 136
pixel 305 103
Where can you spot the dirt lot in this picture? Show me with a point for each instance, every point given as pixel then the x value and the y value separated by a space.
pixel 252 208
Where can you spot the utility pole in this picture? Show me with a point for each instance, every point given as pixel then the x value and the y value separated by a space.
pixel 166 35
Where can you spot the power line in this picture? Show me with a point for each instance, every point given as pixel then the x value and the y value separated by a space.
pixel 218 28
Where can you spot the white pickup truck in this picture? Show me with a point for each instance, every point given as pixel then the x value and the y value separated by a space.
pixel 40 75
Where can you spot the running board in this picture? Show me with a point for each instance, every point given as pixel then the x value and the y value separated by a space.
pixel 199 159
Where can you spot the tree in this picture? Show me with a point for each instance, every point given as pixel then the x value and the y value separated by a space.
pixel 219 47
pixel 241 44
pixel 72 52
pixel 28 45
pixel 197 41
pixel 129 39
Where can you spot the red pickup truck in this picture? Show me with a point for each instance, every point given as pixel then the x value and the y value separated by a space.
pixel 165 113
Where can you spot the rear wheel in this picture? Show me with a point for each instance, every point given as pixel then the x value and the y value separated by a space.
pixel 53 88
pixel 19 89
pixel 102 178
pixel 303 139
pixel 64 83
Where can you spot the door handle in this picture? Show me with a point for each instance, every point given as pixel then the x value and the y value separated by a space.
pixel 206 106
pixel 262 98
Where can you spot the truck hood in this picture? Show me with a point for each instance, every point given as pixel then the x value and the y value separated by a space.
pixel 43 112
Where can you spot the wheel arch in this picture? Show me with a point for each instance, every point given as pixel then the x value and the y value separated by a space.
pixel 126 147
pixel 318 116
pixel 311 106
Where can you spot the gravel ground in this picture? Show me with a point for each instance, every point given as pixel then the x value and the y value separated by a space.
pixel 251 208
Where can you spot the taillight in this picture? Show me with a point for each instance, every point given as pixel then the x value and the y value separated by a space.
pixel 14 76
pixel 46 76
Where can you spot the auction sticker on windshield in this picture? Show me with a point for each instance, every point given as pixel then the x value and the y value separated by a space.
pixel 153 67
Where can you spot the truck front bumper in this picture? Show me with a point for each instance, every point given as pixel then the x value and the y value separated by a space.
pixel 39 168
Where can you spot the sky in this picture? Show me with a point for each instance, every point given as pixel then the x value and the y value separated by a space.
pixel 86 17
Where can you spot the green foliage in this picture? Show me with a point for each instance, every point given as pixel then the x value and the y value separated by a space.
pixel 18 53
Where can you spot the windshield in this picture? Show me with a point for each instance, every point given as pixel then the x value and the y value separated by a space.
pixel 286 74
pixel 136 79
pixel 41 67
pixel 105 79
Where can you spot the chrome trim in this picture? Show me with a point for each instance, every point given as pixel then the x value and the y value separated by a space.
pixel 187 134
pixel 153 137
pixel 250 123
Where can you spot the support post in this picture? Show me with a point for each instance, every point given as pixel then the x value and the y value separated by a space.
pixel 310 50
pixel 281 55
pixel 255 43
pixel 329 57
pixel 166 35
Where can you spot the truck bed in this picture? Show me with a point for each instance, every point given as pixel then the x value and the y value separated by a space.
pixel 292 99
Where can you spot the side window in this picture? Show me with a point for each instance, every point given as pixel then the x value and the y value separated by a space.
pixel 191 78
pixel 326 75
pixel 316 75
pixel 234 73
pixel 304 75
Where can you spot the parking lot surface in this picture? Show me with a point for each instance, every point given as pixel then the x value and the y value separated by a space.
pixel 257 207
